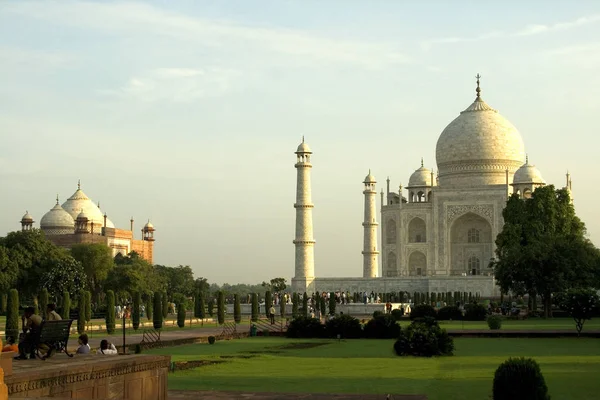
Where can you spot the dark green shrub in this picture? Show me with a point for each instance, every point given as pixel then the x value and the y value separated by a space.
pixel 382 327
pixel 81 312
pixel 201 307
pixel 135 316
pixel 237 312
pixel 397 313
pixel 494 322
pixel 305 304
pixel 43 301
pixel 66 305
pixel 254 315
pixel 305 327
pixel 377 314
pixel 344 325
pixel 282 306
pixel 268 302
pixel 150 307
pixel 519 379
pixel 197 297
pixel 3 301
pixel 422 311
pixel 110 312
pixel 165 305
pixel 475 312
pixel 424 338
pixel 211 308
pixel 332 303
pixel 138 349
pixel 323 305
pixel 181 311
pixel 157 319
pixel 211 340
pixel 295 305
pixel 449 313
pixel 221 307
pixel 12 315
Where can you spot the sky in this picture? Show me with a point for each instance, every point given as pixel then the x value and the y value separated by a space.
pixel 188 113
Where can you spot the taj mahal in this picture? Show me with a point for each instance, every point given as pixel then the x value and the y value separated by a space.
pixel 438 233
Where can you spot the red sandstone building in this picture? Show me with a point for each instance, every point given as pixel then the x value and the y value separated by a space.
pixel 79 220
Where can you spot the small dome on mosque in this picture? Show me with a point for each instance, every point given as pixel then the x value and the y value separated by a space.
pixel 370 178
pixel 303 147
pixel 79 201
pixel 27 217
pixel 82 215
pixel 149 226
pixel 421 177
pixel 57 221
pixel 528 173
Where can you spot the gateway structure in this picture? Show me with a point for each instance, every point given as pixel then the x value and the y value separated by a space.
pixel 438 234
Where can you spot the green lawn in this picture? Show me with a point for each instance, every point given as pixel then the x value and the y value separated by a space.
pixel 570 366
pixel 528 324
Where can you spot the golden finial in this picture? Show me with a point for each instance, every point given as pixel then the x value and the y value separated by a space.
pixel 526 158
pixel 56 198
pixel 478 90
pixel 421 162
pixel 78 184
pixel 302 138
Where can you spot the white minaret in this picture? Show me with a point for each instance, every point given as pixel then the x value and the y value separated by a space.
pixel 304 241
pixel 370 265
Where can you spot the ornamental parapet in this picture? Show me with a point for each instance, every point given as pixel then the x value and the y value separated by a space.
pixel 300 241
pixel 296 205
pixel 303 165
pixel 370 224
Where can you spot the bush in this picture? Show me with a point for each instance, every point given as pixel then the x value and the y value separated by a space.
pixel 135 316
pixel 211 340
pixel 346 326
pixel 382 327
pixel 377 314
pixel 12 315
pixel 475 312
pixel 157 319
pixel 519 379
pixel 397 314
pixel 221 307
pixel 237 312
pixel 305 327
pixel 422 311
pixel 110 312
pixel 424 338
pixel 181 311
pixel 449 313
pixel 494 322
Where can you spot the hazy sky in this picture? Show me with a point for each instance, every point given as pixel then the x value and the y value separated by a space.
pixel 188 112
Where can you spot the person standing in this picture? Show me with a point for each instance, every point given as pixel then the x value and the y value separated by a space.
pixel 272 314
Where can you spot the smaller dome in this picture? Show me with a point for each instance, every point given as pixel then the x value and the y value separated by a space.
pixel 27 217
pixel 370 178
pixel 421 177
pixel 149 226
pixel 82 215
pixel 528 173
pixel 303 147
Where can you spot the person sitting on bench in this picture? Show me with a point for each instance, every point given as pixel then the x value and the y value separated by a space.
pixel 84 347
pixel 107 348
pixel 52 314
pixel 31 326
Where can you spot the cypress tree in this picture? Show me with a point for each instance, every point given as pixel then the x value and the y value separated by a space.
pixel 110 312
pixel 150 307
pixel 12 315
pixel 181 311
pixel 157 319
pixel 433 297
pixel 66 305
pixel 201 307
pixel 165 305
pixel 282 306
pixel 254 316
pixel 211 307
pixel 294 305
pixel 88 306
pixel 268 302
pixel 197 303
pixel 81 312
pixel 237 312
pixel 331 303
pixel 304 304
pixel 317 303
pixel 135 316
pixel 43 302
pixel 323 305
pixel 3 300
pixel 221 307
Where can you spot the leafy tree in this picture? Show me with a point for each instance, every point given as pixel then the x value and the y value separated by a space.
pixel 66 305
pixel 96 260
pixel 12 315
pixel 66 275
pixel 237 313
pixel 276 285
pixel 178 279
pixel 9 270
pixel 202 285
pixel 542 248
pixel 221 307
pixel 268 302
pixel 133 274
pixel 43 301
pixel 135 317
pixel 580 304
pixel 158 316
pixel 254 315
pixel 110 312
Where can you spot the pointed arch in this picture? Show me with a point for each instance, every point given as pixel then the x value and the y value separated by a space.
pixel 417 264
pixel 417 231
pixel 390 231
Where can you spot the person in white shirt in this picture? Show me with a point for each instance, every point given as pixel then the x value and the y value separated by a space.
pixel 107 349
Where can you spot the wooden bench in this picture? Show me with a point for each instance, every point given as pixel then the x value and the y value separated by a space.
pixel 53 336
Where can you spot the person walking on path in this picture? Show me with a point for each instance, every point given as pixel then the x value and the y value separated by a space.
pixel 272 314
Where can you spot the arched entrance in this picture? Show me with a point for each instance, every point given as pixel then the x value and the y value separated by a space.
pixel 471 245
pixel 417 264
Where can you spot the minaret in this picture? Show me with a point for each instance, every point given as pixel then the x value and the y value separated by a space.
pixel 370 265
pixel 304 241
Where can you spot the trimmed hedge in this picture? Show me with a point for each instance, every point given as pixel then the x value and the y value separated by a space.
pixel 237 312
pixel 66 305
pixel 88 306
pixel 150 307
pixel 181 311
pixel 344 325
pixel 475 312
pixel 110 312
pixel 422 311
pixel 221 307
pixel 449 313
pixel 268 302
pixel 494 322
pixel 519 379
pixel 254 315
pixel 382 327
pixel 81 312
pixel 304 327
pixel 157 319
pixel 397 313
pixel 424 338
pixel 12 315
pixel 332 303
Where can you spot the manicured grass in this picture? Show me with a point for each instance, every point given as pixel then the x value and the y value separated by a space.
pixel 528 324
pixel 570 366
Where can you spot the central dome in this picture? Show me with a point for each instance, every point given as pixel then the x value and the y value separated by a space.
pixel 79 202
pixel 478 147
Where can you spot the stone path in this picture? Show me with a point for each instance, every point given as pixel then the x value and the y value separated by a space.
pixel 213 395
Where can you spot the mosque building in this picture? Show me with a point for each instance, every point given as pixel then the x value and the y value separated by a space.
pixel 79 220
pixel 438 234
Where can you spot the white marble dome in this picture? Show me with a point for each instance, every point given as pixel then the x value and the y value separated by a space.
pixel 478 147
pixel 528 173
pixel 27 217
pixel 149 226
pixel 80 202
pixel 421 177
pixel 303 148
pixel 370 178
pixel 57 221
